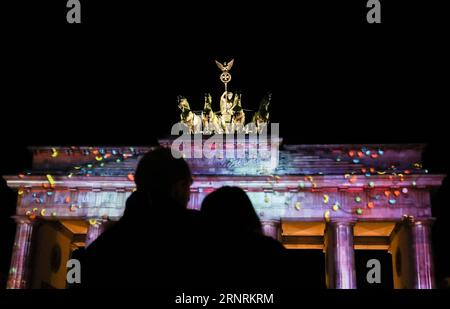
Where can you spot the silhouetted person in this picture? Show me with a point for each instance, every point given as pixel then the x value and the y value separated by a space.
pixel 157 242
pixel 240 254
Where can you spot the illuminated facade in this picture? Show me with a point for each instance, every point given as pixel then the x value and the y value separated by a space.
pixel 334 197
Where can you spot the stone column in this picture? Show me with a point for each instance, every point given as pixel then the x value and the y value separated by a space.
pixel 339 255
pixel 272 229
pixel 412 254
pixel 95 229
pixel 422 254
pixel 19 271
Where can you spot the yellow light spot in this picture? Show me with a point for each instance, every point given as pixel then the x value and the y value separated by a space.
pixel 51 180
pixel 417 165
pixel 326 215
pixel 55 153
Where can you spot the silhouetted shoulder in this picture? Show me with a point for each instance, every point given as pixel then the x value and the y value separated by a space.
pixel 273 244
pixel 266 245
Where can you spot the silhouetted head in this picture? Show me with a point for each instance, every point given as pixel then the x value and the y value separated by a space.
pixel 229 209
pixel 161 176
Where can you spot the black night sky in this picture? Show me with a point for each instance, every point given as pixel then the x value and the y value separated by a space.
pixel 113 80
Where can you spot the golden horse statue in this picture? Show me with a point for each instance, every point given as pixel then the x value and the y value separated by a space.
pixel 211 122
pixel 188 117
pixel 261 117
pixel 238 117
pixel 232 116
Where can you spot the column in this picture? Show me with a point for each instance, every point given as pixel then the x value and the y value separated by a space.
pixel 412 256
pixel 272 229
pixel 422 254
pixel 95 229
pixel 19 271
pixel 339 255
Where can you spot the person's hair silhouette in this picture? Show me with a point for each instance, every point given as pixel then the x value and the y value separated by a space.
pixel 242 254
pixel 230 209
pixel 160 174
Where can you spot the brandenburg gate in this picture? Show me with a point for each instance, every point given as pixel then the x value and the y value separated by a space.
pixel 338 198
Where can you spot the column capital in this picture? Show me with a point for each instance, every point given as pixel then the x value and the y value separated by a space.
pixel 96 227
pixel 97 220
pixel 342 221
pixel 271 228
pixel 273 222
pixel 23 220
pixel 411 220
